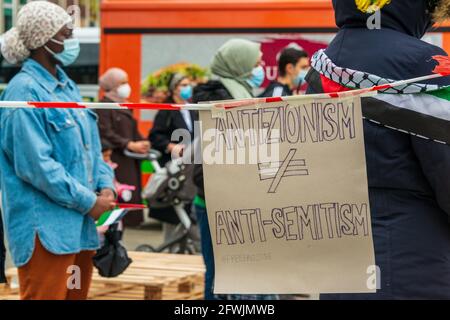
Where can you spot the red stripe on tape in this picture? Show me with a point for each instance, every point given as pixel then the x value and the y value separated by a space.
pixel 274 99
pixel 72 105
pixel 381 87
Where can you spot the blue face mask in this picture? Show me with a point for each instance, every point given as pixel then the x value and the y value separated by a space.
pixel 186 93
pixel 70 53
pixel 300 79
pixel 257 77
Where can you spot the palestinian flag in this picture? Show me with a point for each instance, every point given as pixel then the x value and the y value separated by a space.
pixel 110 217
pixel 418 109
pixel 426 115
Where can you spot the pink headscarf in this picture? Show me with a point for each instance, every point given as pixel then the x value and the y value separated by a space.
pixel 110 81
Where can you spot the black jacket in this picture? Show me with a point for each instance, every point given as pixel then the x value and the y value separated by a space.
pixel 408 177
pixel 276 89
pixel 166 122
pixel 210 91
pixel 2 252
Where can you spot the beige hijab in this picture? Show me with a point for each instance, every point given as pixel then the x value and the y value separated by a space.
pixel 233 65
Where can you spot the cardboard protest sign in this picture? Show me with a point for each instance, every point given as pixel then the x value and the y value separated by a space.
pixel 287 197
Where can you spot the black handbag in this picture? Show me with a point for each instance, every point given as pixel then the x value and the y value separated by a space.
pixel 112 259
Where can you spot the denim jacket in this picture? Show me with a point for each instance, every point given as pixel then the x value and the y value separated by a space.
pixel 51 167
pixel 2 253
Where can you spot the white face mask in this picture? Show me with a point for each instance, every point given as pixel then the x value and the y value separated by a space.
pixel 124 91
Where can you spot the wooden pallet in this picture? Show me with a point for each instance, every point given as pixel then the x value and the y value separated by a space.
pixel 151 276
pixel 154 276
pixel 8 291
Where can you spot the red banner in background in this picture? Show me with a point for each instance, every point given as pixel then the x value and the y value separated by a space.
pixel 271 47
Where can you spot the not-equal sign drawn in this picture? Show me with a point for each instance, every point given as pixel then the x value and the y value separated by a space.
pixel 277 170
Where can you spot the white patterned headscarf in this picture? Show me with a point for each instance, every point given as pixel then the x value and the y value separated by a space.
pixel 37 23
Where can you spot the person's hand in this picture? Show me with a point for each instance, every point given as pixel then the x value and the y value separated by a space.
pixel 104 203
pixel 176 150
pixel 139 146
pixel 108 193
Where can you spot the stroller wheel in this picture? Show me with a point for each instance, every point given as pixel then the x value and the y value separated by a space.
pixel 145 248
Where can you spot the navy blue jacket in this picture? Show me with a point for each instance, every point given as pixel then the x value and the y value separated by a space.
pixel 409 177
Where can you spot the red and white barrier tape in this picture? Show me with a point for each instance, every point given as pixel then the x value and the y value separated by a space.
pixel 208 106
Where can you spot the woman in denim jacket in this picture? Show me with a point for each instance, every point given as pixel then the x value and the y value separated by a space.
pixel 54 182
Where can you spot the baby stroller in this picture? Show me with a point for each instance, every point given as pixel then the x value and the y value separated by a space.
pixel 171 186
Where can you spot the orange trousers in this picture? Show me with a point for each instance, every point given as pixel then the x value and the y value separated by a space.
pixel 56 277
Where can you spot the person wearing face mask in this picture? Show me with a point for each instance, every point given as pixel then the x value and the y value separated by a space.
pixel 236 71
pixel 164 125
pixel 293 65
pixel 119 128
pixel 54 182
